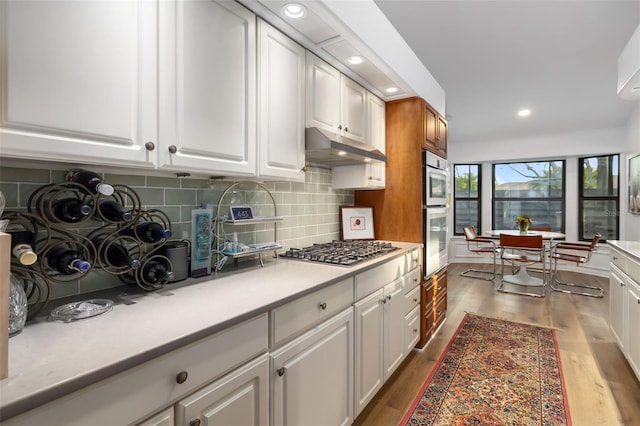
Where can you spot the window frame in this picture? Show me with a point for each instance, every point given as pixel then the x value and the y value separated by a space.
pixel 562 199
pixel 478 198
pixel 581 196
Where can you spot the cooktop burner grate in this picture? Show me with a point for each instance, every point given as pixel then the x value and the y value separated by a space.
pixel 343 253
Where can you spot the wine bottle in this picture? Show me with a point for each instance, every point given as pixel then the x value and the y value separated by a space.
pixel 113 211
pixel 149 232
pixel 90 180
pixel 68 210
pixel 67 261
pixel 115 254
pixel 156 272
pixel 22 244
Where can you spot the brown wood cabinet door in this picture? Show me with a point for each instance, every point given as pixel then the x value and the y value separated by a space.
pixel 430 141
pixel 442 136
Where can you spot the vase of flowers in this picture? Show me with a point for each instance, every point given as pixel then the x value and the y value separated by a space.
pixel 523 223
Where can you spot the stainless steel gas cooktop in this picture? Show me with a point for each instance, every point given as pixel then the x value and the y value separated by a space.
pixel 343 253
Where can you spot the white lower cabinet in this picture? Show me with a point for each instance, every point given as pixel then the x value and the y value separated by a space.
pixel 633 326
pixel 617 306
pixel 312 376
pixel 164 418
pixel 240 398
pixel 393 306
pixel 624 308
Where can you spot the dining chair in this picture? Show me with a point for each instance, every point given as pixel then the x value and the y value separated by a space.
pixel 580 253
pixel 480 246
pixel 521 251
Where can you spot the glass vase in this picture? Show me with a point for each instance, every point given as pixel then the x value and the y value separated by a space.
pixel 524 227
pixel 17 306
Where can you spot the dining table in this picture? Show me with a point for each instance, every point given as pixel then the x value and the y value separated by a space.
pixel 522 277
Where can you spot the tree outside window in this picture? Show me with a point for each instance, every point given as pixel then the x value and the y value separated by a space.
pixel 466 192
pixel 533 189
pixel 599 197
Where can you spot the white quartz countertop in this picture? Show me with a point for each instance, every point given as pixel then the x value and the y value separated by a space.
pixel 50 359
pixel 632 248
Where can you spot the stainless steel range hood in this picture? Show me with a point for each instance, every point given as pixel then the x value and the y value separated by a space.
pixel 330 149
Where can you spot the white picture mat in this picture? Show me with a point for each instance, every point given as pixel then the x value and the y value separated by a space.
pixel 357 223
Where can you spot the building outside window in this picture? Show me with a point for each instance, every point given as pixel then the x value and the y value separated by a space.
pixel 535 189
pixel 466 194
pixel 599 197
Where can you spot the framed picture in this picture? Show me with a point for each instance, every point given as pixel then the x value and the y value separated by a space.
pixel 356 223
pixel 634 184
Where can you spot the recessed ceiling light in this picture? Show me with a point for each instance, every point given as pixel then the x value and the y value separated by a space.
pixel 355 59
pixel 294 10
pixel 342 153
pixel 367 160
pixel 524 112
pixel 391 89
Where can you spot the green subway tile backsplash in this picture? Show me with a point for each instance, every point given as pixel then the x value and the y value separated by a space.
pixel 309 210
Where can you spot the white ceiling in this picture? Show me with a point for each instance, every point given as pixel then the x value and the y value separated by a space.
pixel 558 58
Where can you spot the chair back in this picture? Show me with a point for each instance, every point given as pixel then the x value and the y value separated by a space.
pixel 541 228
pixel 594 241
pixel 470 233
pixel 521 241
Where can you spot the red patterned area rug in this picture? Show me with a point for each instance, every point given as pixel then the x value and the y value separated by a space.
pixel 494 372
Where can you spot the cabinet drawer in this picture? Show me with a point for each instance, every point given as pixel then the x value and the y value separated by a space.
pixel 412 279
pixel 133 394
pixel 369 281
pixel 440 310
pixel 412 329
pixel 439 284
pixel 619 259
pixel 412 260
pixel 295 317
pixel 412 299
pixel 633 269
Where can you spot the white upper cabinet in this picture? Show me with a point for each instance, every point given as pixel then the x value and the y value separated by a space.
pixel 323 94
pixel 366 176
pixel 353 110
pixel 334 102
pixel 80 81
pixel 281 112
pixel 207 87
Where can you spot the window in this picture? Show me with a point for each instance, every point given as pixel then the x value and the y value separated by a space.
pixel 534 189
pixel 466 194
pixel 599 197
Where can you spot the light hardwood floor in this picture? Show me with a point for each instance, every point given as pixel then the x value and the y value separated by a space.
pixel 601 388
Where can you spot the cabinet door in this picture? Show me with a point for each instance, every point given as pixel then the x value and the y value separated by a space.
pixel 394 326
pixel 281 84
pixel 207 87
pixel 358 176
pixel 633 327
pixel 412 329
pixel 617 305
pixel 430 136
pixel 240 398
pixel 353 109
pixel 442 136
pixel 369 366
pixel 164 418
pixel 80 81
pixel 376 126
pixel 323 94
pixel 313 376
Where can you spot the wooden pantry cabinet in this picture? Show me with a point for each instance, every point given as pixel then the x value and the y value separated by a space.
pixel 398 210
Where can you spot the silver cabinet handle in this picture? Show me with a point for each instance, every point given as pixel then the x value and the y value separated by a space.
pixel 150 146
pixel 195 422
pixel 339 126
pixel 323 306
pixel 379 179
pixel 281 371
pixel 346 129
pixel 173 149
